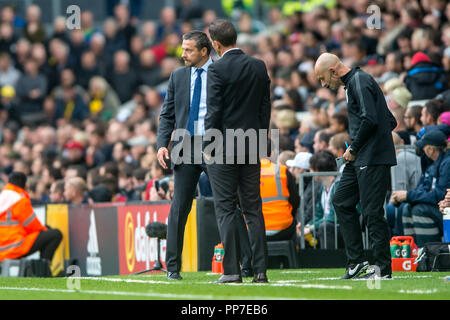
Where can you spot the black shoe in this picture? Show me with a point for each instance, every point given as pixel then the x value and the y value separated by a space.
pixel 174 276
pixel 372 274
pixel 355 270
pixel 247 273
pixel 260 278
pixel 230 278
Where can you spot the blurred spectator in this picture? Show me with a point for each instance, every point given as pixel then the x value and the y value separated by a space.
pixel 404 176
pixel 8 74
pixel 99 193
pixel 167 24
pixel 338 123
pixel 398 98
pixel 189 10
pixel 337 145
pixel 280 201
pixel 74 153
pixel 321 140
pixel 413 122
pixel 285 156
pixel 28 235
pixel 123 79
pixel 74 191
pixel 425 80
pixel 70 99
pixel 324 220
pixel 421 216
pixel 104 100
pixel 148 72
pixel 34 31
pixel 8 105
pixel 431 112
pixel 57 192
pixel 126 29
pixel 31 90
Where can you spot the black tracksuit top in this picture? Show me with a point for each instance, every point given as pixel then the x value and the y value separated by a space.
pixel 370 121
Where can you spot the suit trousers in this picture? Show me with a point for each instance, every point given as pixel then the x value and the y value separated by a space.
pixel 186 177
pixel 369 185
pixel 227 180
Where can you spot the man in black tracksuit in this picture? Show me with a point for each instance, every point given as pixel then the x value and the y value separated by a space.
pixel 366 176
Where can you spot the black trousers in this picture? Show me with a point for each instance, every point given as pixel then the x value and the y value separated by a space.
pixel 186 177
pixel 369 185
pixel 226 182
pixel 46 242
pixel 185 183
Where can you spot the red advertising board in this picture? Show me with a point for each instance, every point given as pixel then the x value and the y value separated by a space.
pixel 137 251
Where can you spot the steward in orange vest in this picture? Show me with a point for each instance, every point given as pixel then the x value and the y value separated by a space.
pixel 21 233
pixel 280 200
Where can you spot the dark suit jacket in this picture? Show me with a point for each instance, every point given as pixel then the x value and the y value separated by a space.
pixel 175 110
pixel 238 97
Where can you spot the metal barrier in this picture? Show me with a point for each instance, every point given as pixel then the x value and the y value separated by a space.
pixel 302 206
pixel 398 183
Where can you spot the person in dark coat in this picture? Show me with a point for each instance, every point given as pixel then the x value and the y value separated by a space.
pixel 425 79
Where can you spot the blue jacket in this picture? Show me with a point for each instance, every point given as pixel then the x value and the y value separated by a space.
pixel 433 185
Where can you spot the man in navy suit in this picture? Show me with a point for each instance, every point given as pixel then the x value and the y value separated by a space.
pixel 184 110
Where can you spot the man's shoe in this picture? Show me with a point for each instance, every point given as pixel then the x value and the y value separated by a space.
pixel 247 273
pixel 260 278
pixel 230 278
pixel 174 276
pixel 355 270
pixel 373 275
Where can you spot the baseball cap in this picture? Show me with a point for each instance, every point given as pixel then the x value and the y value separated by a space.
pixel 73 145
pixel 301 160
pixel 433 138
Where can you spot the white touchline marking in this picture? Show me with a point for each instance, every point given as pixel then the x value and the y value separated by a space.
pixel 148 294
pixel 410 277
pixel 418 291
pixel 126 280
pixel 299 271
pixel 305 286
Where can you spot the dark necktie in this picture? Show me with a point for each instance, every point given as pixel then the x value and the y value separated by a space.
pixel 195 105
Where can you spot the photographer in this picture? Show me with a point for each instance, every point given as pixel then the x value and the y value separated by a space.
pixel 162 189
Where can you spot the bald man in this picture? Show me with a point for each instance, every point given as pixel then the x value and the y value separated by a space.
pixel 366 176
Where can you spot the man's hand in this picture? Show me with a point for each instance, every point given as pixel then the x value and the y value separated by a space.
pixel 399 196
pixel 348 156
pixel 163 153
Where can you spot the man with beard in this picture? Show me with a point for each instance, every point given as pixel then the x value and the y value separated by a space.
pixel 184 108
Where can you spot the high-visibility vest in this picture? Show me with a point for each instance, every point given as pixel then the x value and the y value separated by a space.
pixel 229 5
pixel 276 208
pixel 19 226
pixel 291 7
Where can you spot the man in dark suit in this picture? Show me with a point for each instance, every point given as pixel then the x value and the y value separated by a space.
pixel 184 109
pixel 238 98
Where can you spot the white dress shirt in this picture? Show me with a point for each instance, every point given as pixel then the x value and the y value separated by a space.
pixel 199 125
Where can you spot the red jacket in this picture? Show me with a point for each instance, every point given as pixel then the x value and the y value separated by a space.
pixel 19 226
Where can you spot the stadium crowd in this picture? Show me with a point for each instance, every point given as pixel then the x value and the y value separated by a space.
pixel 79 109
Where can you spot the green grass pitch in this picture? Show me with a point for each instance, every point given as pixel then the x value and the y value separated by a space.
pixel 283 284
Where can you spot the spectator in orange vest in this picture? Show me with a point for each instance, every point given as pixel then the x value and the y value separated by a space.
pixel 280 200
pixel 21 233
